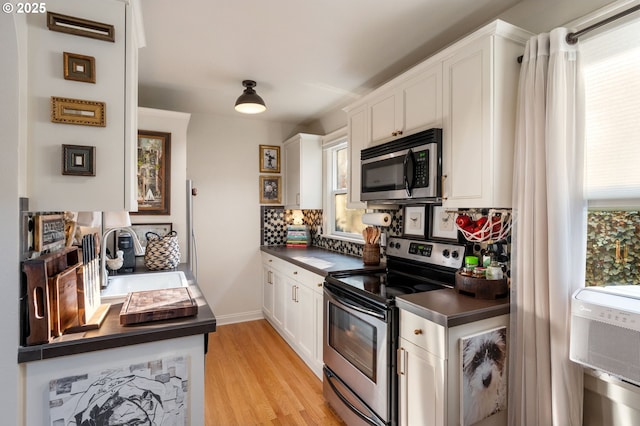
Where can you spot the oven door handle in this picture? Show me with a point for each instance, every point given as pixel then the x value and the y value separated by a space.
pixel 372 420
pixel 357 308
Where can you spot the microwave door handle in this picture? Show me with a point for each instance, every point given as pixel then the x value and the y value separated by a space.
pixel 409 171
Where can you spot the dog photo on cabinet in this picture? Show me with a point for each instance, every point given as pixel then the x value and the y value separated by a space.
pixel 484 375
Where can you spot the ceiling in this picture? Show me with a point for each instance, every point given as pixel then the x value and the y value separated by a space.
pixel 308 57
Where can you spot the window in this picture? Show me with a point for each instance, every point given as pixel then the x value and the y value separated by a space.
pixel 339 221
pixel 611 68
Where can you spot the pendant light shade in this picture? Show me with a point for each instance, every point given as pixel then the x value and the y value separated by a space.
pixel 249 102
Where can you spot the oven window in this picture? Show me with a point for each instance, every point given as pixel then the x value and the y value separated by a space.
pixel 354 339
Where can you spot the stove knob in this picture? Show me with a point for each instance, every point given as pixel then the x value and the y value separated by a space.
pixel 445 253
pixel 455 254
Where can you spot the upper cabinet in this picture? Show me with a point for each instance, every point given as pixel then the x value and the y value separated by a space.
pixel 408 106
pixel 479 102
pixel 469 89
pixel 94 79
pixel 303 172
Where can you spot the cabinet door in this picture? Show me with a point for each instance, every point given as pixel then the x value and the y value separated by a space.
pixel 292 174
pixel 357 124
pixel 267 291
pixel 306 333
pixel 422 101
pixel 279 299
pixel 421 385
pixel 385 115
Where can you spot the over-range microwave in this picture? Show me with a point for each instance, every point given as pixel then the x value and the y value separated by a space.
pixel 405 170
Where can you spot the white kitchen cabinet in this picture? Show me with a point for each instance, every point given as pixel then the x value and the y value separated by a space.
pixel 297 307
pixel 115 180
pixel 409 106
pixel 303 172
pixel 479 101
pixel 429 370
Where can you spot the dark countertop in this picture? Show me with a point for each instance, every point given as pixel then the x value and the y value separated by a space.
pixel 449 309
pixel 319 260
pixel 112 335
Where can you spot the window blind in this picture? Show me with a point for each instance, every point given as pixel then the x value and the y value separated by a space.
pixel 611 70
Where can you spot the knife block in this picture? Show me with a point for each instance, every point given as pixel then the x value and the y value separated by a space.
pixel 52 299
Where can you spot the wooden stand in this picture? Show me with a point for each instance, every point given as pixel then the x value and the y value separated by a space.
pixel 52 295
pixel 481 288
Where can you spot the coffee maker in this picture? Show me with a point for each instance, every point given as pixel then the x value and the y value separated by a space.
pixel 125 243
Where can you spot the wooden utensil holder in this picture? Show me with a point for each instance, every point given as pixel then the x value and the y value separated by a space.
pixel 371 254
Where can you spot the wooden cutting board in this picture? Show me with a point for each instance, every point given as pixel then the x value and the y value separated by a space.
pixel 155 305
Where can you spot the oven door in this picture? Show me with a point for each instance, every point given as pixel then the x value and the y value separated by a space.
pixel 357 349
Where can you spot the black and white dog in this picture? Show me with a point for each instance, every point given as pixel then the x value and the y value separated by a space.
pixel 484 381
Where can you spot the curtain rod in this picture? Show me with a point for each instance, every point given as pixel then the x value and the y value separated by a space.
pixel 572 38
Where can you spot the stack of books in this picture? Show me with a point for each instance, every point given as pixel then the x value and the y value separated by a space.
pixel 298 236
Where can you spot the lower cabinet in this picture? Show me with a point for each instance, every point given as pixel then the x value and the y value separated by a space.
pixel 292 303
pixel 430 380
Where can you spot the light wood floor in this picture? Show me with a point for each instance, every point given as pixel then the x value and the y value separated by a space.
pixel 254 378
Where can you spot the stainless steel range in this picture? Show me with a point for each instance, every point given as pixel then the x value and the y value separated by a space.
pixel 361 327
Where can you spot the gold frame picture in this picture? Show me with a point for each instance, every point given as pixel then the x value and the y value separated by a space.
pixel 154 173
pixel 80 27
pixel 79 67
pixel 270 190
pixel 78 111
pixel 269 159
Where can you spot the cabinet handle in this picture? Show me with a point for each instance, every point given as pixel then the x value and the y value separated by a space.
pixel 417 331
pixel 442 179
pixel 295 272
pixel 394 133
pixel 293 292
pixel 296 295
pixel 399 132
pixel 400 357
pixel 270 277
pixel 319 284
pixel 270 260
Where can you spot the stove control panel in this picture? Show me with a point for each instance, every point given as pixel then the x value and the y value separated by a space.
pixel 448 255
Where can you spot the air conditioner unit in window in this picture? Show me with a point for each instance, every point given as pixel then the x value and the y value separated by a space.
pixel 605 330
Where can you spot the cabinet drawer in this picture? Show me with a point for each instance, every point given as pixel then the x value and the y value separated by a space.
pixel 308 278
pixel 423 333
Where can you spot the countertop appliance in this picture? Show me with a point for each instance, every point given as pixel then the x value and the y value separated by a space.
pixel 605 330
pixel 408 169
pixel 125 243
pixel 361 326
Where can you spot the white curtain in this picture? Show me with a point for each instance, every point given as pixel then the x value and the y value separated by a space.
pixel 549 237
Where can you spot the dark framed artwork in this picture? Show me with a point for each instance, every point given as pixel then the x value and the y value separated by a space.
pixel 78 111
pixel 80 27
pixel 154 173
pixel 270 190
pixel 269 159
pixel 415 220
pixel 78 160
pixel 79 67
pixel 443 225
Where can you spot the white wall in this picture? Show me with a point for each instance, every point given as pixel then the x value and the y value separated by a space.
pixel 175 123
pixel 11 389
pixel 223 162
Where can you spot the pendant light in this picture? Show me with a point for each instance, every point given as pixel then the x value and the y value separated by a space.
pixel 249 102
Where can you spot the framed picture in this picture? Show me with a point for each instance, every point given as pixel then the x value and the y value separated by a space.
pixel 154 173
pixel 49 231
pixel 141 230
pixel 442 224
pixel 414 221
pixel 78 111
pixel 269 159
pixel 270 190
pixel 483 388
pixel 78 160
pixel 80 27
pixel 79 67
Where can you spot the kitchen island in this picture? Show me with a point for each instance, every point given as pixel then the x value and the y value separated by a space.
pixel 123 365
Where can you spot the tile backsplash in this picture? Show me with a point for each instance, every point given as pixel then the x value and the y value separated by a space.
pixel 274 221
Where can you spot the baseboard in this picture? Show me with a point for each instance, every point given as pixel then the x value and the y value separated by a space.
pixel 240 317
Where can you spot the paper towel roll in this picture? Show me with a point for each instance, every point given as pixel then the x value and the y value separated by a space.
pixel 376 219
